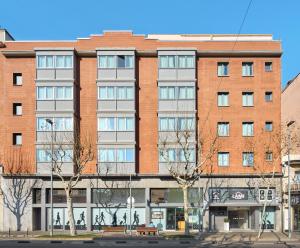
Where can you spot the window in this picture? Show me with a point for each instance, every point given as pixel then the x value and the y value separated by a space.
pixel 268 66
pixel 125 124
pixel 167 93
pixel 17 108
pixel 248 158
pixel 125 93
pixel 223 129
pixel 167 61
pixel 168 155
pixel 166 124
pixel 45 61
pixel 64 61
pixel 17 139
pixel 52 93
pixel 60 124
pixel 248 129
pixel 265 194
pixel 186 155
pixel 106 124
pixel 223 158
pixel 185 61
pixel 269 156
pixel 45 155
pixel 106 61
pixel 106 93
pixel 247 99
pixel 223 99
pixel 247 69
pixel 223 69
pixel 125 61
pixel 268 96
pixel 186 92
pixel 125 155
pixel 186 124
pixel 17 79
pixel 107 155
pixel 269 126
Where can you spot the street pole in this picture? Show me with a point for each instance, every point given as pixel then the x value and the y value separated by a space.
pixel 51 179
pixel 130 205
pixel 289 180
pixel 199 205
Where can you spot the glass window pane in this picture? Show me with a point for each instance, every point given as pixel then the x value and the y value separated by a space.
pixel 68 92
pixel 102 124
pixel 49 61
pixel 182 92
pixel 111 62
pixel 59 94
pixel 102 155
pixel 60 61
pixel 163 124
pixel 41 61
pixel 102 93
pixel 181 61
pixel 171 61
pixel 129 124
pixel 59 124
pixel 68 124
pixel 171 124
pixel 103 62
pixel 111 124
pixel 171 91
pixel 163 92
pixel 121 124
pixel 110 93
pixel 68 61
pixel 41 92
pixel 121 155
pixel 121 61
pixel 190 92
pixel 190 61
pixel 129 155
pixel 49 93
pixel 122 93
pixel 163 61
pixel 129 61
pixel 129 92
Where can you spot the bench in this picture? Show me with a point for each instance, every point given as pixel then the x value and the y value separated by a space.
pixel 146 230
pixel 114 229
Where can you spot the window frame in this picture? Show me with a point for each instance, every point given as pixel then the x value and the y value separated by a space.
pixel 220 162
pixel 220 93
pixel 267 94
pixel 17 139
pixel 228 128
pixel 223 65
pixel 247 94
pixel 247 123
pixel 268 64
pixel 252 161
pixel 252 68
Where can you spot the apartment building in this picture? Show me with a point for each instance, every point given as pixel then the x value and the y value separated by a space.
pixel 290 115
pixel 129 93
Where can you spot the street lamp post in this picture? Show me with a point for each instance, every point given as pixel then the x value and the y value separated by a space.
pixel 289 180
pixel 130 205
pixel 51 191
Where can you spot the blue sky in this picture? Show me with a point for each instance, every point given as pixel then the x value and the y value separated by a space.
pixel 70 19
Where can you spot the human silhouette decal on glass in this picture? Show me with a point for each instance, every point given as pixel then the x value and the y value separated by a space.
pixel 57 221
pixel 136 219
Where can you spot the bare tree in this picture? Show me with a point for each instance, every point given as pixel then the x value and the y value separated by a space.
pixel 18 186
pixel 187 160
pixel 81 153
pixel 268 148
pixel 109 192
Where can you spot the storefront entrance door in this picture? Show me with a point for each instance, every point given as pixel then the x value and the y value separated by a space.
pixel 297 219
pixel 175 219
pixel 238 219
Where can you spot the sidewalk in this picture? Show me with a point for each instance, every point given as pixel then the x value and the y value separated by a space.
pixel 248 237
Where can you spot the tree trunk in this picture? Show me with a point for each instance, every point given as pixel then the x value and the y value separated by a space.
pixel 18 218
pixel 70 213
pixel 263 216
pixel 186 210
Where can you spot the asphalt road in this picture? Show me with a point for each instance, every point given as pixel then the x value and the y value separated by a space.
pixel 137 243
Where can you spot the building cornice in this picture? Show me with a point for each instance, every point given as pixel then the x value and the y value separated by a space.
pixel 150 53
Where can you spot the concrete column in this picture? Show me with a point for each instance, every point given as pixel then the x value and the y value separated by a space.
pixel 88 207
pixel 147 209
pixel 43 209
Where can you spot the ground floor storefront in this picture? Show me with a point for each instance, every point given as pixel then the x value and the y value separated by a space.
pixel 156 201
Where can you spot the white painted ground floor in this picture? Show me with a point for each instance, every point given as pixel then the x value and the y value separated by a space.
pixel 215 204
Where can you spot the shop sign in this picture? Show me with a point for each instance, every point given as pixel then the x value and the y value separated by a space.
pixel 157 215
pixel 216 195
pixel 295 200
pixel 238 195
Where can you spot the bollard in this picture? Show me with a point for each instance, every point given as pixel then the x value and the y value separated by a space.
pixel 9 232
pixel 27 231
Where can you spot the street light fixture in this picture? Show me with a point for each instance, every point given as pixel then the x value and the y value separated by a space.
pixel 290 123
pixel 51 191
